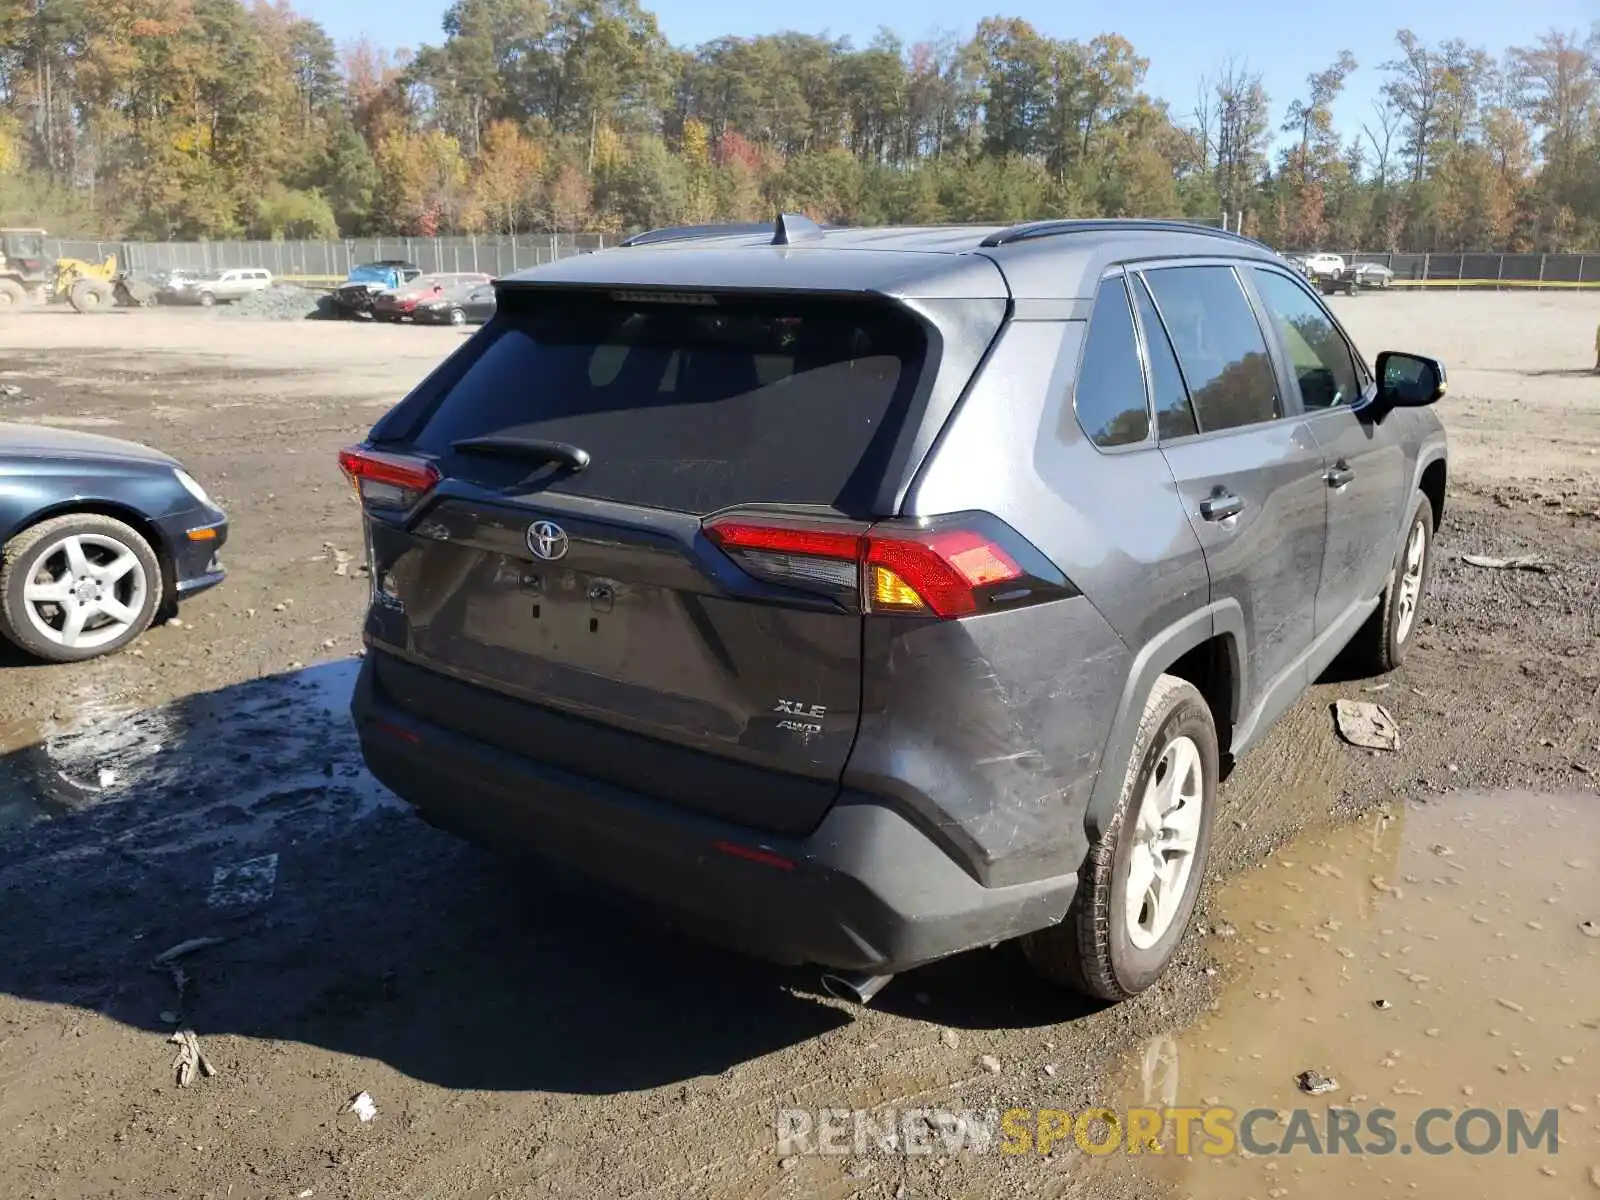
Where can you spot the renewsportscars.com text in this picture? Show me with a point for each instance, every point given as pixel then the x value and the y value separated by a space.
pixel 1212 1132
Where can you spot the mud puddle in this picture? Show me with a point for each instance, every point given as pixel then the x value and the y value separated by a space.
pixel 1441 956
pixel 230 764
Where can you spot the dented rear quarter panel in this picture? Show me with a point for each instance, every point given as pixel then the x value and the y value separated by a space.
pixel 1012 712
pixel 988 731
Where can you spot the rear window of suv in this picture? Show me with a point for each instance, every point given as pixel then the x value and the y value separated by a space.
pixel 689 406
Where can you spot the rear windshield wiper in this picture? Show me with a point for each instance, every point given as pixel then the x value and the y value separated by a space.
pixel 573 457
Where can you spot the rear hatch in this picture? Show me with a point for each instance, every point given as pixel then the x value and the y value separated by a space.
pixel 557 593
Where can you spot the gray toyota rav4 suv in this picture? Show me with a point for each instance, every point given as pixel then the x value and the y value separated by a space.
pixel 862 596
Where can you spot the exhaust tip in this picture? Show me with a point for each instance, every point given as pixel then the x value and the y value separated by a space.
pixel 857 989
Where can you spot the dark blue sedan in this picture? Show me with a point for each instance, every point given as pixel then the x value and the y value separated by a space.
pixel 101 538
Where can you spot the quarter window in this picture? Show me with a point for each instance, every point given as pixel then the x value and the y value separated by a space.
pixel 1110 396
pixel 1174 414
pixel 1317 351
pixel 1219 345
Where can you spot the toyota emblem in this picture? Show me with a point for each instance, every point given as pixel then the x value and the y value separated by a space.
pixel 547 540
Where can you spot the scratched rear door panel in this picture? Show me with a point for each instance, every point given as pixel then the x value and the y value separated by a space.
pixel 583 618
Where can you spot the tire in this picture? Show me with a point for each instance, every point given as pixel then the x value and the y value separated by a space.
pixel 457 317
pixel 207 300
pixel 1383 642
pixel 1101 948
pixel 12 295
pixel 91 296
pixel 40 557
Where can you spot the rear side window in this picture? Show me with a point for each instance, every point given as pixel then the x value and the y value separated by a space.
pixel 1110 396
pixel 1219 345
pixel 689 407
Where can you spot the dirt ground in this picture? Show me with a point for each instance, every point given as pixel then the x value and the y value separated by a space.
pixel 521 1036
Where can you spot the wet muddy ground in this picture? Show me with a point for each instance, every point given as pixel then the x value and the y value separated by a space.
pixel 521 1036
pixel 1440 956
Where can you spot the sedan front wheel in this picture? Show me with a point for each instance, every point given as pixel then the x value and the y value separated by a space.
pixel 77 587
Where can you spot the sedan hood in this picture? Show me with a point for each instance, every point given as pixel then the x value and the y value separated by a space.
pixel 43 441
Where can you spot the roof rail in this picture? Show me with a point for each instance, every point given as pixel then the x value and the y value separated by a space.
pixel 1029 230
pixel 681 233
pixel 786 230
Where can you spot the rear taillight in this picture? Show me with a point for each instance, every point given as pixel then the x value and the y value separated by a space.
pixel 796 555
pixel 947 567
pixel 945 570
pixel 388 481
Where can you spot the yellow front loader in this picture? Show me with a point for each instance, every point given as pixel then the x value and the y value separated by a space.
pixel 86 286
pixel 91 287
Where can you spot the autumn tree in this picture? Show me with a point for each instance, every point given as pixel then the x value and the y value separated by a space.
pixel 567 199
pixel 219 118
pixel 509 166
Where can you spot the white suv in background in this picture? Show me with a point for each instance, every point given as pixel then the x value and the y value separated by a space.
pixel 1319 265
pixel 228 285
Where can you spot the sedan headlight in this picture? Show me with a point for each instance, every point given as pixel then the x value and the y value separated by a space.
pixel 192 486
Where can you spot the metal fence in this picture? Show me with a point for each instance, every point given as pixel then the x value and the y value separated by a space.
pixel 322 262
pixel 1487 270
pixel 325 262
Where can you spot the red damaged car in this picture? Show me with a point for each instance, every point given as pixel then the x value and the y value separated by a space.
pixel 402 303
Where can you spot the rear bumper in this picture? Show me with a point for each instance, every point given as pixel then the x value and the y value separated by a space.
pixel 866 891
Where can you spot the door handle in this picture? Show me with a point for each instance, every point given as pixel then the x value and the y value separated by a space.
pixel 1339 474
pixel 1221 505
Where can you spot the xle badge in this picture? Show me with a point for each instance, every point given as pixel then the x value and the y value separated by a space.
pixel 796 708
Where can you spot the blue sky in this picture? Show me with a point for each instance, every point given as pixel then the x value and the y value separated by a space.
pixel 1284 39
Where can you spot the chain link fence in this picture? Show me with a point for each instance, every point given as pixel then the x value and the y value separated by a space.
pixel 328 262
pixel 1486 270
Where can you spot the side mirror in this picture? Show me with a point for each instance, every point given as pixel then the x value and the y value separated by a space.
pixel 1409 380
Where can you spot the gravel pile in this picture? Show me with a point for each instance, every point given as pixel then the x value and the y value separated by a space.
pixel 280 302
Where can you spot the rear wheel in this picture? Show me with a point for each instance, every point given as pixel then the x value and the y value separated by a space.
pixel 78 586
pixel 207 300
pixel 1137 890
pixel 12 295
